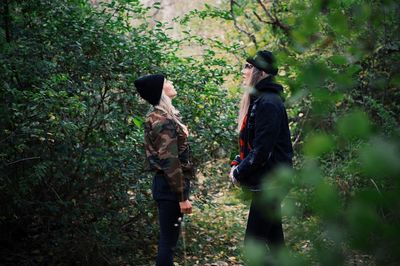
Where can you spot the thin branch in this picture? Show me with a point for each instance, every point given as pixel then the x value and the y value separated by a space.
pixel 274 19
pixel 55 192
pixel 131 221
pixel 376 186
pixel 250 35
pixel 296 141
pixel 260 19
pixel 265 10
pixel 7 19
pixel 220 53
pixel 24 159
pixel 9 136
pixel 90 127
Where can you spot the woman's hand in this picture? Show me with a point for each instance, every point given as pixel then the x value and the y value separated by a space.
pixel 236 161
pixel 186 207
pixel 232 177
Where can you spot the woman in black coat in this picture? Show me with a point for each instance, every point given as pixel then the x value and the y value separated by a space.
pixel 264 141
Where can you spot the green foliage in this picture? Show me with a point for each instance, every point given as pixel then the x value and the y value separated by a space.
pixel 339 61
pixel 318 144
pixel 73 185
pixel 74 190
pixel 354 125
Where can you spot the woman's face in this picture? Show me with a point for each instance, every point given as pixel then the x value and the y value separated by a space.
pixel 169 89
pixel 246 73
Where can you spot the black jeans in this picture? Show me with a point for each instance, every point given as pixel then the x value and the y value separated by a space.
pixel 169 214
pixel 265 222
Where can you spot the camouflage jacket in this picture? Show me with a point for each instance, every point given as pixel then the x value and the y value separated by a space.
pixel 167 151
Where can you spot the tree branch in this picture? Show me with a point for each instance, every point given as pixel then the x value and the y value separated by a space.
pixel 24 159
pixel 7 19
pixel 260 19
pixel 299 135
pixel 89 128
pixel 274 20
pixel 250 35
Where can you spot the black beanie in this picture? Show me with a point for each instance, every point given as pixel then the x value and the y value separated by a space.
pixel 265 61
pixel 150 87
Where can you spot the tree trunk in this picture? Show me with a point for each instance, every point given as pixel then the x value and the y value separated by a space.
pixel 7 19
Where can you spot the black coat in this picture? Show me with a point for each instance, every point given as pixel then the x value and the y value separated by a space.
pixel 267 131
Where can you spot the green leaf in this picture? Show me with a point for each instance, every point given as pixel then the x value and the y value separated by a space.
pixel 318 145
pixel 138 121
pixel 355 125
pixel 381 159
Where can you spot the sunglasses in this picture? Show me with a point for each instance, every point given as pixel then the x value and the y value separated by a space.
pixel 248 66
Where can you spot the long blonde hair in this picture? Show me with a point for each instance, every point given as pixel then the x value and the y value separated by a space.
pixel 256 76
pixel 166 105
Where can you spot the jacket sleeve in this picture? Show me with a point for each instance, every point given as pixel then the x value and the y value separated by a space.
pixel 166 143
pixel 267 124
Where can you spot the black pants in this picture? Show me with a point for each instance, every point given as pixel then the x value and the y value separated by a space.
pixel 265 222
pixel 169 214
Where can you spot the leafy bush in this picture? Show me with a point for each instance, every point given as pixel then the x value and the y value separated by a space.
pixel 73 187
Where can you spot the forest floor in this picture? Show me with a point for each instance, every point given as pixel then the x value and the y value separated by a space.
pixel 213 234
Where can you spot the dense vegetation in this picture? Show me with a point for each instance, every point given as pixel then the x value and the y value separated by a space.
pixel 73 188
pixel 341 66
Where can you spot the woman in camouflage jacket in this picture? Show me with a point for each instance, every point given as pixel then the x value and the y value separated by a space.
pixel 167 151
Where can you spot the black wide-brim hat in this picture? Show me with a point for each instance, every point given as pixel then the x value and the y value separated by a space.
pixel 265 61
pixel 150 87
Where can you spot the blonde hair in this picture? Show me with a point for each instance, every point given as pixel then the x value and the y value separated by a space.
pixel 256 76
pixel 166 106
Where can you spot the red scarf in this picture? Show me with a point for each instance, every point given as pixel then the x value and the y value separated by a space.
pixel 244 144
